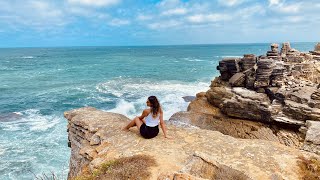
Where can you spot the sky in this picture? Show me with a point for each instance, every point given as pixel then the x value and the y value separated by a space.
pixel 44 23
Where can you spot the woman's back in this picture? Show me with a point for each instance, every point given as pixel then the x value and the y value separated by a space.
pixel 152 121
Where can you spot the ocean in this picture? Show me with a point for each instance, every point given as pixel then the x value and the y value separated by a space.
pixel 38 84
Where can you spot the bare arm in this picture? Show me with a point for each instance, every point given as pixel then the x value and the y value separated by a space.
pixel 163 124
pixel 144 114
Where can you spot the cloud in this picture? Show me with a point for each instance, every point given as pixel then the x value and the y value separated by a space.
pixel 282 7
pixel 168 4
pixel 33 14
pixel 176 11
pixel 95 3
pixel 274 2
pixel 293 8
pixel 142 17
pixel 230 2
pixel 250 11
pixel 207 18
pixel 164 24
pixel 119 22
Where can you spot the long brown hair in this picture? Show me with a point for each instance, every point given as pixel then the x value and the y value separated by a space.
pixel 155 105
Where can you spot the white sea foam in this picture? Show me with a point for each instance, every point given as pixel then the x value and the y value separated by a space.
pixel 2 151
pixel 193 59
pixel 27 57
pixel 133 93
pixel 17 113
pixel 31 119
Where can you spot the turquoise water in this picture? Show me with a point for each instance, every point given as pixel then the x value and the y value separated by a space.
pixel 38 84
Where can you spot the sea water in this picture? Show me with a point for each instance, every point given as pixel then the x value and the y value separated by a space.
pixel 38 84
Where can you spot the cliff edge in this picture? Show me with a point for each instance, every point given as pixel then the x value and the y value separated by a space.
pixel 96 137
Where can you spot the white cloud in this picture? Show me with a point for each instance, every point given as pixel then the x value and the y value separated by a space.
pixel 293 8
pixel 87 12
pixel 168 4
pixel 250 11
pixel 294 19
pixel 142 17
pixel 33 14
pixel 176 11
pixel 274 2
pixel 230 2
pixel 283 7
pixel 164 24
pixel 119 22
pixel 207 18
pixel 95 3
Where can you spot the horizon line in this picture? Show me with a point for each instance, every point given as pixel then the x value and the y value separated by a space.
pixel 154 45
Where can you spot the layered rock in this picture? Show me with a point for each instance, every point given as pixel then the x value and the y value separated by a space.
pixel 96 137
pixel 228 67
pixel 316 52
pixel 202 114
pixel 285 93
pixel 285 49
pixel 312 140
pixel 264 71
pixel 274 53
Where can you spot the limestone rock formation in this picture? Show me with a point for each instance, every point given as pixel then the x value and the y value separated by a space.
pixel 312 140
pixel 96 137
pixel 316 52
pixel 285 49
pixel 228 67
pixel 274 53
pixel 205 116
pixel 284 92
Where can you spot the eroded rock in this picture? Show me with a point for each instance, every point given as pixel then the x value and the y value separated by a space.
pixel 190 149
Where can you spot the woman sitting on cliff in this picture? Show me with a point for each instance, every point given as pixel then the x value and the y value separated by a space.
pixel 148 122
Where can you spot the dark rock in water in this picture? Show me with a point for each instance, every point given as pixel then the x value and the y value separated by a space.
pixel 188 98
pixel 9 117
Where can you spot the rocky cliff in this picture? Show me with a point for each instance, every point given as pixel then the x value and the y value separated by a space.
pixel 273 97
pixel 96 137
pixel 257 118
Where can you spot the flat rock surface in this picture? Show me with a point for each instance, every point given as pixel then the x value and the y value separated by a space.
pixel 255 159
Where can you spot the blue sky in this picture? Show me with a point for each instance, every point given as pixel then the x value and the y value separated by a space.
pixel 155 22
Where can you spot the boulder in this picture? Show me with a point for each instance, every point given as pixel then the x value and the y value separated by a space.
pixel 237 80
pixel 312 140
pixel 216 95
pixel 228 67
pixel 300 111
pixel 188 98
pixel 247 104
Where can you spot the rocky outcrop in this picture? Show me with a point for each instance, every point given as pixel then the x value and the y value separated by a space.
pixel 312 140
pixel 282 92
pixel 316 52
pixel 205 116
pixel 96 137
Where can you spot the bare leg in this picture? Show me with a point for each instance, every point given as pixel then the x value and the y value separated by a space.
pixel 135 122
